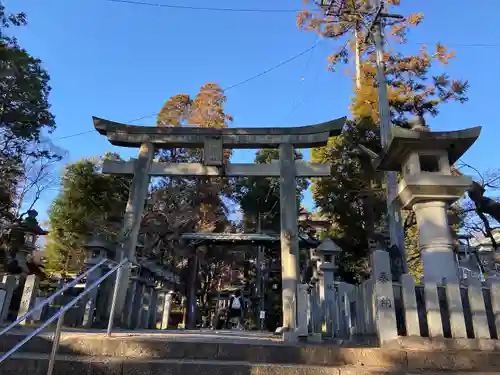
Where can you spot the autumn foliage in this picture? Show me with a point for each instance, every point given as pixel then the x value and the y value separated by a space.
pixel 354 197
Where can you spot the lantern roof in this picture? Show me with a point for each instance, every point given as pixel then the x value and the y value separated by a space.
pixel 29 225
pixel 405 141
pixel 329 246
pixel 99 242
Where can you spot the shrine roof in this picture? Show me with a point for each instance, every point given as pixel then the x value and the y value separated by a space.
pixel 231 237
pixel 125 135
pixel 404 141
pixel 238 238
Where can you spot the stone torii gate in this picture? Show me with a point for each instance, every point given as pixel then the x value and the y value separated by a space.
pixel 214 141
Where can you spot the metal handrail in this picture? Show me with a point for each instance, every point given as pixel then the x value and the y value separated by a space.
pixel 60 316
pixel 52 297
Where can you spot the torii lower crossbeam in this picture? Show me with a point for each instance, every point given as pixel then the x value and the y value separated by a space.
pixel 302 169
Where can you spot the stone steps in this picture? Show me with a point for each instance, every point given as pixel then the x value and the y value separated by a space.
pixel 81 353
pixel 37 365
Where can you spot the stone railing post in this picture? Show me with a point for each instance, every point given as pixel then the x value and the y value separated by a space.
pixel 410 305
pixel 9 283
pixel 128 308
pixel 167 308
pixel 145 308
pixel 153 308
pixel 385 314
pixel 28 298
pixel 139 297
pixel 478 309
pixel 494 285
pixel 302 310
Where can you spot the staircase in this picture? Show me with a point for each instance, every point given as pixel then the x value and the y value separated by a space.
pixel 133 353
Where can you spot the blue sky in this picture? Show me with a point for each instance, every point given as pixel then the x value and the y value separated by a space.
pixel 122 61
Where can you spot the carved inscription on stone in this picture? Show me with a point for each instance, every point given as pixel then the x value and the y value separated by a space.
pixel 383 277
pixel 384 302
pixel 213 151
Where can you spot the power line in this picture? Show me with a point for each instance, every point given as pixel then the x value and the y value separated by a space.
pixel 295 105
pixel 225 89
pixel 250 78
pixel 274 67
pixel 74 135
pixel 480 45
pixel 93 130
pixel 187 7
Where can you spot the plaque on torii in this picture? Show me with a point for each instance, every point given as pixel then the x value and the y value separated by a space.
pixel 213 142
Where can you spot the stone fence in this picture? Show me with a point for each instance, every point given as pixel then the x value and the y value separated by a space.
pixel 387 309
pixel 149 302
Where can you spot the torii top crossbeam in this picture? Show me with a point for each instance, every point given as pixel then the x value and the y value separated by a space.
pixel 193 137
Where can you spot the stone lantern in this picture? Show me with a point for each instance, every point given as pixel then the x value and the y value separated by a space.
pixel 23 238
pixel 96 250
pixel 325 254
pixel 428 187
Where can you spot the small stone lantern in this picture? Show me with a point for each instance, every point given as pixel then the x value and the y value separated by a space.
pixel 428 187
pixel 98 249
pixel 326 253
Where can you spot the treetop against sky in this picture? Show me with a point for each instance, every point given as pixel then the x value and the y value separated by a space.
pixel 122 61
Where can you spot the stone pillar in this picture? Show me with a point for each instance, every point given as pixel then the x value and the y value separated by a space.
pixel 495 302
pixel 343 318
pixel 410 305
pixel 456 310
pixel 29 297
pixel 302 310
pixel 478 310
pixel 184 311
pixel 436 244
pixel 434 322
pixel 145 308
pixel 440 267
pixel 129 303
pixel 368 290
pixel 327 298
pixel 167 308
pixel 9 285
pixel 385 313
pixel 20 257
pixel 316 309
pixel 289 239
pixel 191 300
pixel 137 305
pixel 133 215
pixel 153 308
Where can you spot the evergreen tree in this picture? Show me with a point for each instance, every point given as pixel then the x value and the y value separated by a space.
pixel 24 108
pixel 260 196
pixel 88 204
